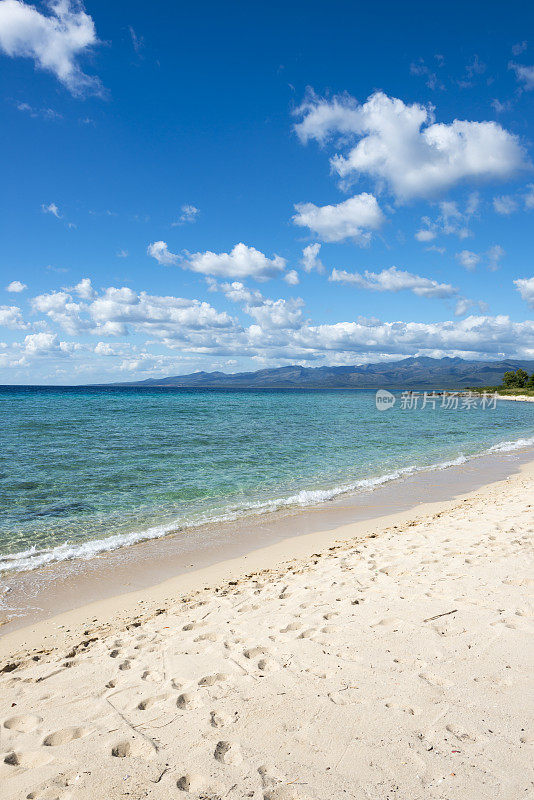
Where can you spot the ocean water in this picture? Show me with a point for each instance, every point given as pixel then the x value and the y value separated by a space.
pixel 83 471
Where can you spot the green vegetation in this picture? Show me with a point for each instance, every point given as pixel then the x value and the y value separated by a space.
pixel 513 383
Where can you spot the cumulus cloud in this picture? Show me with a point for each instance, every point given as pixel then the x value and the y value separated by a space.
pixel 292 277
pixel 524 75
pixel 11 317
pixel 116 311
pixel 241 262
pixel 394 280
pixel 40 343
pixel 55 41
pixel 468 259
pixel 310 258
pixel 402 147
pixel 525 287
pixel 352 219
pixel 61 309
pixel 161 253
pixel 83 289
pixel 469 338
pixel 269 314
pixel 16 286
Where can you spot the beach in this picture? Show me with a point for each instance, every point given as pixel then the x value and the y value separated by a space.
pixel 385 658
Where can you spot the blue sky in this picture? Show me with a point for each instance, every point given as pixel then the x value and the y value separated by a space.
pixel 239 187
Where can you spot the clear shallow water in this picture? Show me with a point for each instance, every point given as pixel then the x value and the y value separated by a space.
pixel 83 471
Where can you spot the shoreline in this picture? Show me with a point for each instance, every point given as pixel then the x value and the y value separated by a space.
pixel 125 603
pixel 36 595
pixel 354 663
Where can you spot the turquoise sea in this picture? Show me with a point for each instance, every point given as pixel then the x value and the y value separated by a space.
pixel 83 471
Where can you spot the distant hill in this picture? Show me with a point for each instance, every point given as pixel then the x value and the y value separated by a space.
pixel 409 373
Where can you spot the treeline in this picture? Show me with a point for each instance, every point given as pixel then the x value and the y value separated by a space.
pixel 520 379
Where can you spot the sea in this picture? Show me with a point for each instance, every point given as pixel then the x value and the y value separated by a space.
pixel 84 471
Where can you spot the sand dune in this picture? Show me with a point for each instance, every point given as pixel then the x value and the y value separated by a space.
pixel 392 666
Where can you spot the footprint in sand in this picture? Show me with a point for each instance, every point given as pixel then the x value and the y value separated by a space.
pixel 148 702
pixel 191 782
pixel 65 736
pixel 206 637
pixel 25 723
pixel 189 700
pixel 346 697
pixel 121 749
pixel 293 626
pixel 151 676
pixel 228 753
pixel 28 759
pixel 394 706
pixel 268 665
pixel 50 793
pixel 219 719
pixel 211 680
pixel 435 680
pixel 253 652
pixel 270 777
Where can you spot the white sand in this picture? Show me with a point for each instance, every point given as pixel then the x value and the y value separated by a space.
pixel 324 677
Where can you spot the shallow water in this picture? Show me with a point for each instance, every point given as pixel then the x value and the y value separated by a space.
pixel 83 471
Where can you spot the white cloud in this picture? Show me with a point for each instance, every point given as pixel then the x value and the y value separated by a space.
pixel 236 291
pixel 494 256
pixel 241 262
pixel 394 280
pixel 529 197
pixel 464 304
pixel 525 287
pixel 310 258
pixel 403 147
pixel 160 316
pixel 271 314
pixel 468 259
pixel 161 253
pixel 524 74
pixel 425 235
pixel 54 41
pixel 16 286
pixel 451 221
pixel 189 214
pixel 40 343
pixel 277 314
pixel 61 309
pixel 83 289
pixel 505 205
pixel 292 277
pixel 51 208
pixel 351 219
pixel 43 113
pixel 11 317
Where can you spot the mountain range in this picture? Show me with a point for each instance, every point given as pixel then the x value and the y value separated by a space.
pixel 408 373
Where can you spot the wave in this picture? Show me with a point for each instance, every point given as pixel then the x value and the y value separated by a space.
pixel 33 558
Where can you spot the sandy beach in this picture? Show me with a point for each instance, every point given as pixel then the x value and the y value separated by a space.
pixel 385 659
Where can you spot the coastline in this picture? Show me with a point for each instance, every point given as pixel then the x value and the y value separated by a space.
pixel 305 532
pixel 353 662
pixel 37 595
